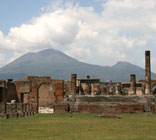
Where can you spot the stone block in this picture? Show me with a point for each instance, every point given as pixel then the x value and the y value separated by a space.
pixel 19 108
pixel 4 116
pixel 61 108
pixel 2 107
pixel 14 115
pixel 11 108
pixel 21 114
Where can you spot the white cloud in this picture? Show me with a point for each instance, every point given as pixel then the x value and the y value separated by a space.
pixel 83 54
pixel 122 31
pixel 141 43
pixel 2 59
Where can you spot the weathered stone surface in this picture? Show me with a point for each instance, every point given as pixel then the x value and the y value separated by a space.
pixel 133 84
pixel 88 86
pixel 40 91
pixel 24 107
pixel 11 92
pixel 2 107
pixel 96 108
pixel 73 108
pixel 15 110
pixel 148 108
pixel 46 110
pixel 22 114
pixel 4 116
pixel 19 108
pixel 125 108
pixel 73 83
pixel 14 115
pixel 11 108
pixel 24 86
pixel 118 89
pixel 154 109
pixel 61 108
pixel 147 73
pixel 133 99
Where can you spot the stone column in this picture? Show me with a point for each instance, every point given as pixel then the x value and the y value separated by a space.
pixel 147 73
pixel 80 88
pixel 73 83
pixel 89 88
pixel 132 84
pixel 92 89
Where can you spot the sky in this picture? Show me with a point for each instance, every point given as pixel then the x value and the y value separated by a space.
pixel 100 32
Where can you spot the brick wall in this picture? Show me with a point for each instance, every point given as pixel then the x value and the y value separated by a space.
pixel 11 92
pixel 124 108
pixel 104 108
pixel 95 108
pixel 59 90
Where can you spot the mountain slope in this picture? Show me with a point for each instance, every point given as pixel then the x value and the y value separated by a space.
pixel 56 64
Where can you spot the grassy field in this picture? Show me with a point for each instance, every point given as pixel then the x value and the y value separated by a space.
pixel 79 127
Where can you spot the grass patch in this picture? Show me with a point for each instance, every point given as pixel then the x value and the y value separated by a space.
pixel 79 127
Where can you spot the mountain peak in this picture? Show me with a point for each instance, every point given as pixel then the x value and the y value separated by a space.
pixel 50 50
pixel 54 63
pixel 123 64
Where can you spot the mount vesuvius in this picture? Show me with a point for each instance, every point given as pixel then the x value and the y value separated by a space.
pixel 51 62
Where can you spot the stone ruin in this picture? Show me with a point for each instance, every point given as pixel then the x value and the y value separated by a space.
pixel 8 110
pixel 46 95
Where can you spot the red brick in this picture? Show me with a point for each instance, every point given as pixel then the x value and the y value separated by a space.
pixel 124 108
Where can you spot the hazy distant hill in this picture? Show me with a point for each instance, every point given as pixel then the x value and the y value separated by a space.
pixel 56 64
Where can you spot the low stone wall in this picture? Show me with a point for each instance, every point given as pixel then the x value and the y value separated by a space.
pixel 123 108
pixel 108 104
pixel 110 108
pixel 97 108
pixel 105 108
pixel 116 99
pixel 15 110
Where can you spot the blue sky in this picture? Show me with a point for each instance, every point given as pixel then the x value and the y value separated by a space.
pixel 16 12
pixel 99 32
